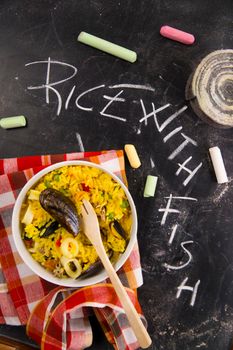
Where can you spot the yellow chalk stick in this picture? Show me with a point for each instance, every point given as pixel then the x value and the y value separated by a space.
pixel 132 155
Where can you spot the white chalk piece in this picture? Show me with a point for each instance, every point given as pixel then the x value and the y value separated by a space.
pixel 13 122
pixel 132 155
pixel 107 46
pixel 218 165
pixel 150 187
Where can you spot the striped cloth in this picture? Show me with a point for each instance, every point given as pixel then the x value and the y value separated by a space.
pixel 57 317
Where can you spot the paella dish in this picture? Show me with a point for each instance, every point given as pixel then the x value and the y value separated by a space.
pixel 50 220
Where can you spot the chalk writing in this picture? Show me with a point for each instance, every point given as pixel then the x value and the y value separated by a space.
pixel 109 102
pixel 69 97
pixel 48 63
pixel 186 198
pixel 182 146
pixel 172 236
pixel 170 267
pixel 132 86
pixel 59 99
pixel 172 133
pixel 152 163
pixel 152 114
pixel 168 210
pixel 194 290
pixel 191 172
pixel 47 81
pixel 80 142
pixel 89 109
pixel 160 128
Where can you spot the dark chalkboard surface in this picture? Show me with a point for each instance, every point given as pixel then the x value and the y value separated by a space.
pixel 95 101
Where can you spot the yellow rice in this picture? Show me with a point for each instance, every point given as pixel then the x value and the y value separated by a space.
pixel 77 182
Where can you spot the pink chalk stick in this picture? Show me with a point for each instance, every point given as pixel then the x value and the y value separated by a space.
pixel 177 35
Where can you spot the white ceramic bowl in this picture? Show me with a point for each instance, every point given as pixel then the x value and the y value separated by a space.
pixel 35 266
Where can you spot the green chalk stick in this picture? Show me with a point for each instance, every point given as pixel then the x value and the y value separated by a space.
pixel 151 182
pixel 107 46
pixel 13 122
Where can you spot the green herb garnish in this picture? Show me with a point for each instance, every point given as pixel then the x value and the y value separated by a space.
pixel 56 177
pixel 111 216
pixel 124 204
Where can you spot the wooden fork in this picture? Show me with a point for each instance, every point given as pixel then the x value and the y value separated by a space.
pixel 92 231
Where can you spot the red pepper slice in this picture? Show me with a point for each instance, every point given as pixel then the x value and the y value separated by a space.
pixel 85 188
pixel 58 242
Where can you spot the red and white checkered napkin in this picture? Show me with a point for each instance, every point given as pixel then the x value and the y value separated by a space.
pixel 57 317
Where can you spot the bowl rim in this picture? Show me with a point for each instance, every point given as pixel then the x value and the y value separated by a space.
pixel 33 264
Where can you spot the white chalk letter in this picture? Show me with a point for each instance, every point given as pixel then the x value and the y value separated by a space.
pixel 111 100
pixel 89 109
pixel 170 267
pixel 190 172
pixel 167 210
pixel 194 290
pixel 152 114
pixel 50 85
pixel 182 146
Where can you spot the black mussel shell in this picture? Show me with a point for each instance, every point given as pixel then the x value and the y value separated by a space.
pixel 96 267
pixel 117 226
pixel 61 208
pixel 93 269
pixel 50 229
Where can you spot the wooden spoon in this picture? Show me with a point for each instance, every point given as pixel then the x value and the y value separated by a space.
pixel 92 231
